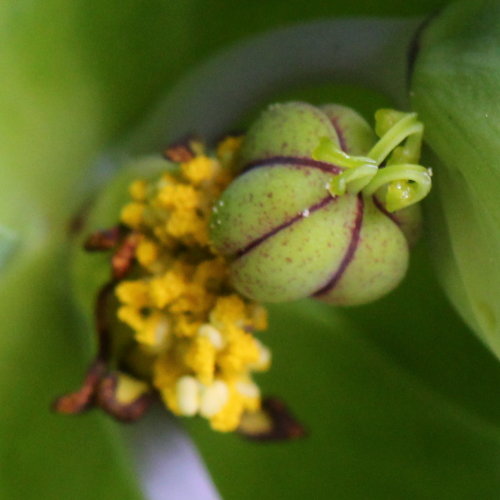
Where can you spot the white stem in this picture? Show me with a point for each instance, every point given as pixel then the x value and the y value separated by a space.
pixel 169 465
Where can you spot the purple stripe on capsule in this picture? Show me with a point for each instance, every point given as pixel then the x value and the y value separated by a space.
pixel 382 209
pixel 302 215
pixel 295 161
pixel 349 254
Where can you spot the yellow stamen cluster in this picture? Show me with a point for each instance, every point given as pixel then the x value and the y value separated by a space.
pixel 188 322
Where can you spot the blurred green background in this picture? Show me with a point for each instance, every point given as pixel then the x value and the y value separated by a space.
pixel 399 397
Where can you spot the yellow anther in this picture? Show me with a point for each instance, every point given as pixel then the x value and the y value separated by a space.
pixel 132 215
pixel 211 273
pixel 195 300
pixel 248 389
pixel 228 311
pixel 213 398
pixel 167 370
pixel 229 417
pixel 178 196
pixel 155 331
pixel 227 149
pixel 199 169
pixel 212 334
pixel 134 293
pixel 129 389
pixel 147 252
pixel 131 316
pixel 138 190
pixel 258 317
pixel 165 289
pixel 200 358
pixel 185 326
pixel 188 396
pixel 264 361
pixel 185 223
pixel 241 352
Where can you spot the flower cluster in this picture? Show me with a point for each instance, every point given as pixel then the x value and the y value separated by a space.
pixel 189 323
pixel 169 319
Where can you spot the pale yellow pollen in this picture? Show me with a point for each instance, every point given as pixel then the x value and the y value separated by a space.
pixel 212 334
pixel 129 389
pixel 228 418
pixel 155 331
pixel 256 423
pixel 213 398
pixel 248 389
pixel 258 316
pixel 264 361
pixel 188 396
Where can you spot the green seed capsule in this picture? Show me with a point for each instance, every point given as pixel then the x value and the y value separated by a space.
pixel 290 129
pixel 287 231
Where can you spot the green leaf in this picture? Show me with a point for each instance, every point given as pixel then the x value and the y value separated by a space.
pixel 455 89
pixel 75 75
pixel 44 455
